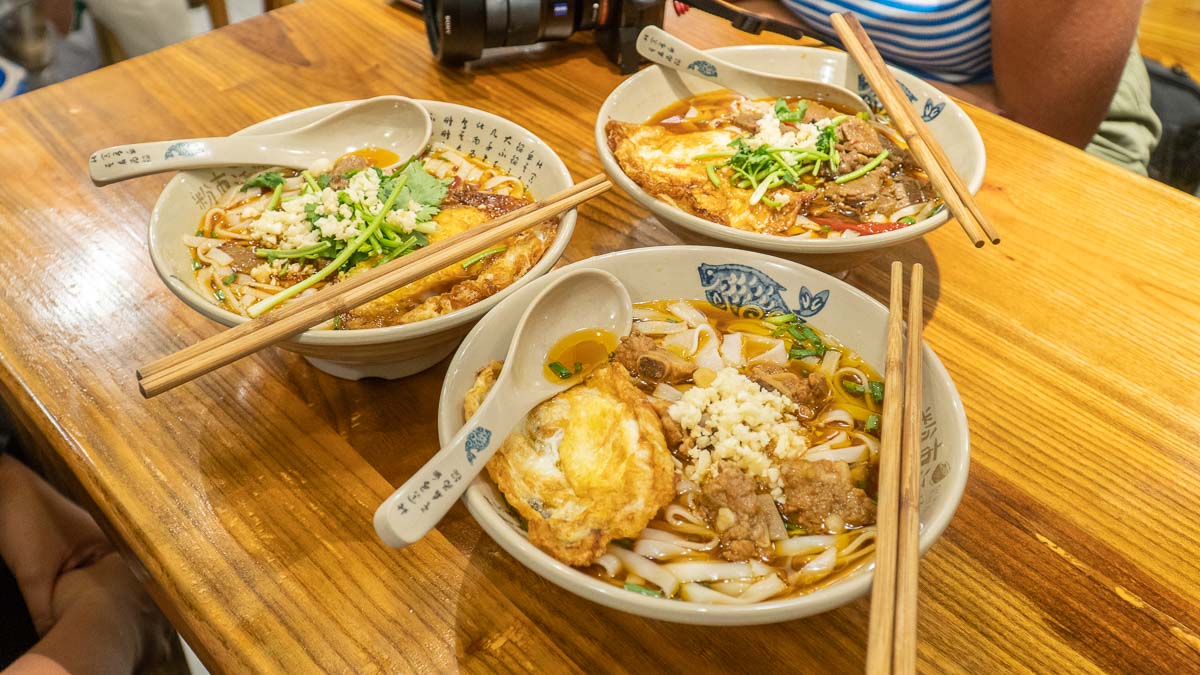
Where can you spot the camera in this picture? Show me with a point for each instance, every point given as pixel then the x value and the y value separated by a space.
pixel 459 30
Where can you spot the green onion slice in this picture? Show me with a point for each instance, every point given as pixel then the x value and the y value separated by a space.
pixel 643 590
pixel 560 370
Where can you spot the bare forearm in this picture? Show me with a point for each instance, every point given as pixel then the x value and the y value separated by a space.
pixel 87 639
pixel 1057 64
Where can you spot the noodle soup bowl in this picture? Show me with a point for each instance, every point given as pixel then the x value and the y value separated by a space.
pixel 746 282
pixel 393 351
pixel 639 97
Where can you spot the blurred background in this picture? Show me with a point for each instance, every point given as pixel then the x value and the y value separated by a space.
pixel 47 41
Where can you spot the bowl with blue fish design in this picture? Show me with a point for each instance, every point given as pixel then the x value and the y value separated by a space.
pixel 799 179
pixel 515 502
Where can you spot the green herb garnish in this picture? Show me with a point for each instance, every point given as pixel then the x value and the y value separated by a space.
pixel 274 203
pixel 711 170
pixel 907 220
pixel 872 426
pixel 862 170
pixel 310 213
pixel 268 181
pixel 643 590
pixel 781 319
pixel 305 252
pixel 416 185
pixel 196 264
pixel 560 370
pixel 786 114
pixel 308 179
pixel 219 295
pixel 803 334
pixel 852 387
pixel 483 254
pixel 342 258
pixel 337 322
pixel 578 367
pixel 876 388
pixel 230 279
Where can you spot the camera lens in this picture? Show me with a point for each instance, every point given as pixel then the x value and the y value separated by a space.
pixel 459 30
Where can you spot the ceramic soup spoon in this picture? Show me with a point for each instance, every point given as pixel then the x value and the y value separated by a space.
pixel 668 51
pixel 585 299
pixel 392 123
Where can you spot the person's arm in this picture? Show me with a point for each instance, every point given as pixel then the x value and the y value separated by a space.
pixel 92 614
pixel 1057 64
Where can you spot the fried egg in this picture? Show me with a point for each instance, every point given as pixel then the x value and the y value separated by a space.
pixel 664 164
pixel 587 466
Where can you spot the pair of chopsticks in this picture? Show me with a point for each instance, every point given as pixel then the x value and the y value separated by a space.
pixel 920 141
pixel 334 299
pixel 892 641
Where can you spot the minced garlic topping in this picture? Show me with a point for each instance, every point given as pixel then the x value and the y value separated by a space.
pixel 735 419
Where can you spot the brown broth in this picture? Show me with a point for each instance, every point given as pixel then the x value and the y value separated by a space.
pixel 580 353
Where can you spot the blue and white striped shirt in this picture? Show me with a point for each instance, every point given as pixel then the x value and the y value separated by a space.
pixel 944 40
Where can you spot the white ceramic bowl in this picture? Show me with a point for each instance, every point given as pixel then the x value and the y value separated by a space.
pixel 719 275
pixel 649 91
pixel 395 351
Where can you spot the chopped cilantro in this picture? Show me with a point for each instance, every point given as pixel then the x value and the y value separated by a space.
pixel 310 212
pixel 421 188
pixel 323 180
pixel 268 181
pixel 785 113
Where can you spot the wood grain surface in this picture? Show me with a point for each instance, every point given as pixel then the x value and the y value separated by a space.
pixel 1170 33
pixel 247 496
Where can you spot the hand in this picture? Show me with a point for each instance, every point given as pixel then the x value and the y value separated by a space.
pixel 42 536
pixel 92 613
pixel 106 597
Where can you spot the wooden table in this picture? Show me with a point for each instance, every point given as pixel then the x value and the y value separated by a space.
pixel 247 496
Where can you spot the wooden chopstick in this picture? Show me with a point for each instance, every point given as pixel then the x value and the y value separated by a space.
pixel 892 638
pixel 334 299
pixel 883 589
pixel 920 140
pixel 904 653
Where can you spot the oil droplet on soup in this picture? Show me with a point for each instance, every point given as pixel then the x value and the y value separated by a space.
pixel 577 354
pixel 380 157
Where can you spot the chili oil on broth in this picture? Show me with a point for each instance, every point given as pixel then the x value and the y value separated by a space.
pixel 683 155
pixel 677 532
pixel 240 264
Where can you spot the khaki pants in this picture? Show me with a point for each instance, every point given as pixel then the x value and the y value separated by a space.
pixel 1129 133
